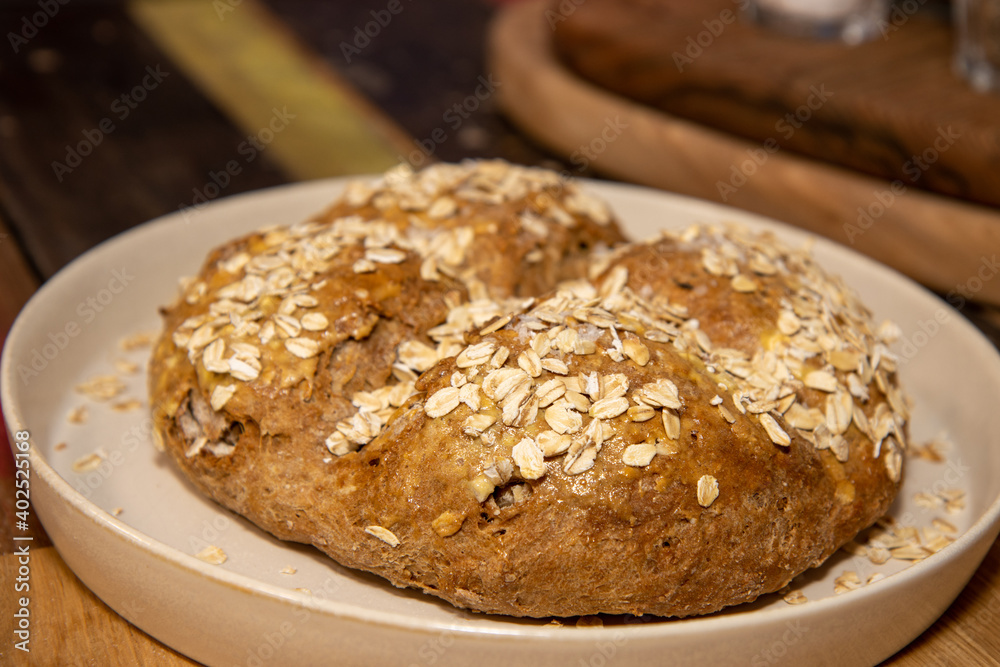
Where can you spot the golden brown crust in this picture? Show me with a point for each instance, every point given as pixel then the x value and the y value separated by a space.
pixel 669 439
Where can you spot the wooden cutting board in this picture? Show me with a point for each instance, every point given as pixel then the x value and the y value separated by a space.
pixel 943 241
pixel 891 107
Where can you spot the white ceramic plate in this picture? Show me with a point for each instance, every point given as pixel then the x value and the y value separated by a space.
pixel 247 612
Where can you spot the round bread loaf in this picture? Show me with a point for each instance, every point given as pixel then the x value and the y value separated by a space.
pixel 706 418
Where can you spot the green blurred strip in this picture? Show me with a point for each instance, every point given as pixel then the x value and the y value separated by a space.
pixel 250 66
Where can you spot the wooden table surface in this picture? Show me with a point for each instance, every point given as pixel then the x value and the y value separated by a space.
pixel 114 113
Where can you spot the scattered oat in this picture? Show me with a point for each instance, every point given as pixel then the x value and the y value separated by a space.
pixel 363 265
pixel 708 490
pixel 795 597
pixel 660 394
pixel 126 367
pixel 475 355
pixel 774 431
pixel 303 348
pixel 127 405
pixel 640 413
pixel 469 394
pixel 288 570
pixel 844 360
pixel 383 534
pixel 314 322
pixel 556 366
pixel 221 395
pixel 910 552
pixel 528 457
pixel 474 425
pixel 89 462
pixel 743 283
pixel 117 511
pixel 530 363
pixel 726 414
pixel 553 443
pixel 563 418
pixel 138 340
pixel 878 555
pixel 385 255
pixel 448 523
pixel 499 357
pixel 442 402
pixel 102 387
pixel 806 419
pixel 821 380
pixel 933 450
pixel 496 325
pixel 671 425
pixel 848 581
pixel 212 555
pixel 944 526
pixel 416 355
pixel 609 408
pixel 640 456
pixel 839 412
pixel 894 465
pixel 338 444
pixel 927 500
pixel 635 350
pixel 244 370
pixel 60 446
pixel 581 461
pixel 576 400
pixel 550 391
pixel 788 323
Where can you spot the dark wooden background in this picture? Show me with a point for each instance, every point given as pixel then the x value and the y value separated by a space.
pixel 60 83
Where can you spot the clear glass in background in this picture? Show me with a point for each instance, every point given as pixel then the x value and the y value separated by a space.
pixel 850 21
pixel 977 42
